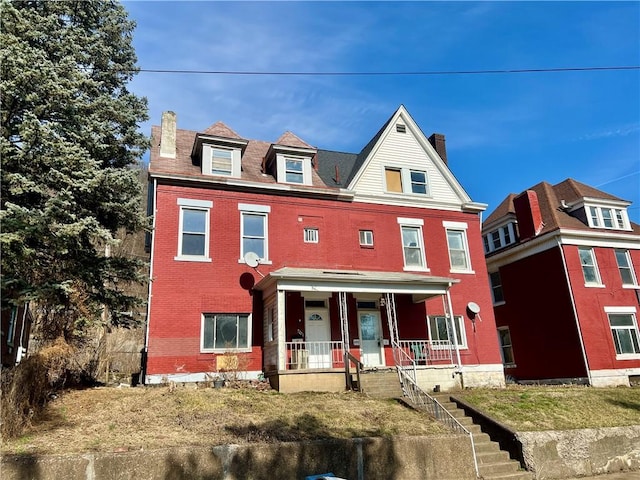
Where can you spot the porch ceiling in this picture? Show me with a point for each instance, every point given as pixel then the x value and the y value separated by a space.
pixel 331 280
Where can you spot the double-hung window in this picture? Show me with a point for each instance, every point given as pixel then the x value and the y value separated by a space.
pixel 626 268
pixel 506 348
pixel 225 331
pixel 294 172
pixel 589 266
pixel 606 217
pixel 441 331
pixel 496 287
pixel 412 244
pixel 193 237
pixel 254 230
pixel 405 180
pixel 624 329
pixel 221 162
pixel 418 182
pixel 458 246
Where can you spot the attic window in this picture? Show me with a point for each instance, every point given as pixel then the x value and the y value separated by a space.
pixel 400 128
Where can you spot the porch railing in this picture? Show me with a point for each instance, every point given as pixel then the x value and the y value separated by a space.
pixel 406 367
pixel 427 352
pixel 306 355
pixel 348 359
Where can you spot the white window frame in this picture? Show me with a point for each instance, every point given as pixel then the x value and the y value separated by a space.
pixel 499 238
pixel 495 287
pixel 504 347
pixel 615 218
pixel 213 349
pixel 208 151
pixel 194 205
pixel 255 210
pixel 215 153
pixel 628 266
pixel 366 238
pixel 311 235
pixel 633 329
pixel 281 166
pixel 406 182
pixel 460 331
pixel 593 264
pixel 461 229
pixel 414 224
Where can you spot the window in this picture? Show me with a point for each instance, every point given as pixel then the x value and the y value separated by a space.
pixel 224 331
pixel 193 238
pixel 254 230
pixel 589 266
pixel 458 248
pixel 310 235
pixel 404 180
pixel 496 287
pixel 606 217
pixel 221 162
pixel 393 178
pixel 624 265
pixel 505 345
pixel 499 238
pixel 412 244
pixel 441 331
pixel 270 325
pixel 293 171
pixel 366 238
pixel 624 329
pixel 12 326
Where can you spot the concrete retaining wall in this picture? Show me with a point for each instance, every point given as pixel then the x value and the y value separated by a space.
pixel 576 453
pixel 398 458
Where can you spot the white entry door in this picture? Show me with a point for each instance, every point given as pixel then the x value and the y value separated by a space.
pixel 318 337
pixel 371 342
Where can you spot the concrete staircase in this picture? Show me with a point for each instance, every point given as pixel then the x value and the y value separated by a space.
pixel 493 463
pixel 380 383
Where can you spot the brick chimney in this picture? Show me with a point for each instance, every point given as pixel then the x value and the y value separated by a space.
pixel 528 214
pixel 168 135
pixel 437 141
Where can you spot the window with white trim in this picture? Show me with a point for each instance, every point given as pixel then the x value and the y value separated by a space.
pixel 441 331
pixel 506 348
pixel 193 235
pixel 624 329
pixel 366 238
pixel 458 247
pixel 625 267
pixel 412 244
pixel 405 180
pixel 589 266
pixel 607 217
pixel 225 331
pixel 254 230
pixel 221 162
pixel 310 235
pixel 496 287
pixel 499 238
pixel 293 169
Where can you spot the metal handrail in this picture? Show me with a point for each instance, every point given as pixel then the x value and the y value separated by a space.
pixel 406 369
pixel 348 358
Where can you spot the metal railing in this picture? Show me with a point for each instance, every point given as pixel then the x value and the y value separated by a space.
pixel 427 352
pixel 314 355
pixel 406 368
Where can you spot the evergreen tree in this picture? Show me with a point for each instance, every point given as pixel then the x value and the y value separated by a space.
pixel 69 148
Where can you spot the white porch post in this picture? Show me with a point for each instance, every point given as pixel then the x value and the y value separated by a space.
pixel 344 321
pixel 282 334
pixel 453 327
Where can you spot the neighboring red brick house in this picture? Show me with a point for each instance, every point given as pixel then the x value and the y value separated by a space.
pixel 285 255
pixel 563 262
pixel 15 328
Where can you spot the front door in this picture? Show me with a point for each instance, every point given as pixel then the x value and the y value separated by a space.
pixel 318 337
pixel 371 342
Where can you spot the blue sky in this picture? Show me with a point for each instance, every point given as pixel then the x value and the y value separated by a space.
pixel 504 132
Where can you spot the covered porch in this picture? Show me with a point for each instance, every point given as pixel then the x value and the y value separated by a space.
pixel 316 320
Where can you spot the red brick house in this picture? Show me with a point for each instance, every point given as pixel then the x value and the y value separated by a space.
pixel 276 258
pixel 563 262
pixel 15 328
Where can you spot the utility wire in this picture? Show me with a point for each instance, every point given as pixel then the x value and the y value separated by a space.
pixel 397 73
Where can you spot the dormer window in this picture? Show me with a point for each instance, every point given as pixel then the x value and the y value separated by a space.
pixel 499 238
pixel 290 164
pixel 294 172
pixel 221 162
pixel 607 217
pixel 219 156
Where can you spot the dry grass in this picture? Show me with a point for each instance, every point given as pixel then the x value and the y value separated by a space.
pixel 112 419
pixel 528 408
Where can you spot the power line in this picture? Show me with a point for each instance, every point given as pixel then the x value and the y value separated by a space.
pixel 396 73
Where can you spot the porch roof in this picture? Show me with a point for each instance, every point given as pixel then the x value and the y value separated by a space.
pixel 355 281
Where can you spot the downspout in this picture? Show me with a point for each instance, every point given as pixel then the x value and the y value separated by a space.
pixel 153 242
pixel 575 312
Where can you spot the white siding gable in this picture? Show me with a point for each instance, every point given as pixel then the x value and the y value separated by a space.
pixel 407 151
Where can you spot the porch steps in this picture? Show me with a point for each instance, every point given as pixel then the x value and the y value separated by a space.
pixel 380 383
pixel 493 463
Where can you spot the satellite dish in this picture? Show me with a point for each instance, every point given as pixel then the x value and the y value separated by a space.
pixel 252 259
pixel 473 307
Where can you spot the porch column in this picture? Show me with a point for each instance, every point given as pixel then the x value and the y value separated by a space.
pixel 344 321
pixel 452 322
pixel 282 334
